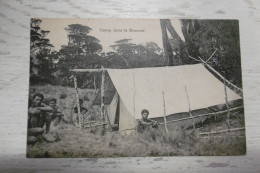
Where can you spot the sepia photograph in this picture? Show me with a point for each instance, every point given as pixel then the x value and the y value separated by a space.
pixel 134 88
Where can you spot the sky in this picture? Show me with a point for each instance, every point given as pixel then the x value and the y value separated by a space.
pixel 109 30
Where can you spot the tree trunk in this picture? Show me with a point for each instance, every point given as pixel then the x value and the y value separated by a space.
pixel 166 44
pixel 171 30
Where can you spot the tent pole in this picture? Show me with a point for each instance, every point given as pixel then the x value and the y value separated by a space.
pixel 95 83
pixel 164 115
pixel 77 102
pixel 108 121
pixel 102 94
pixel 134 103
pixel 226 99
pixel 189 107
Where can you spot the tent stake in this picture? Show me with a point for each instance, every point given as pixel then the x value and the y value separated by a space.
pixel 189 107
pixel 164 115
pixel 226 99
pixel 79 117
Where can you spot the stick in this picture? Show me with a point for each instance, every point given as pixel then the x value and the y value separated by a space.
pixel 202 115
pixel 222 131
pixel 90 122
pixel 164 117
pixel 229 83
pixel 209 137
pixel 134 100
pixel 211 111
pixel 95 83
pixel 189 106
pixel 96 125
pixel 102 95
pixel 212 55
pixel 226 99
pixel 88 70
pixel 194 58
pixel 77 102
pixel 108 122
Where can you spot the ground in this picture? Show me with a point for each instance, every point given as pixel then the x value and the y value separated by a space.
pixel 65 140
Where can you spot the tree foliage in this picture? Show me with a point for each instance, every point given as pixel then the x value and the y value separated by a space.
pixel 82 51
pixel 41 54
pixel 133 55
pixel 203 37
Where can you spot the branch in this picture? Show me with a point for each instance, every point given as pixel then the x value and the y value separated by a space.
pixel 212 55
pixel 194 58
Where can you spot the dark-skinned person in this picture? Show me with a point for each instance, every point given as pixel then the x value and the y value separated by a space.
pixel 144 123
pixel 37 111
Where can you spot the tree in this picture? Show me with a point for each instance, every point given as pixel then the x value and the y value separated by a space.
pixel 136 55
pixel 41 54
pixel 82 51
pixel 202 38
pixel 79 39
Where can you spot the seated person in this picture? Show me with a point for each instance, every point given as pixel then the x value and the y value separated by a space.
pixel 55 114
pixel 82 111
pixel 144 123
pixel 37 111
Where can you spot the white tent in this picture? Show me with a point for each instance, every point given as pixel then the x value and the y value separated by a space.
pixel 142 88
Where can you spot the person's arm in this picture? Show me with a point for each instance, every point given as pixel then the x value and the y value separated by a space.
pixel 45 108
pixel 33 111
pixel 143 122
pixel 152 122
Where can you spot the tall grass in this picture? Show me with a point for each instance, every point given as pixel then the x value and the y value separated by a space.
pixel 70 141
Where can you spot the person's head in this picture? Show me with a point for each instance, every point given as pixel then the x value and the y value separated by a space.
pixel 145 113
pixel 52 102
pixel 37 99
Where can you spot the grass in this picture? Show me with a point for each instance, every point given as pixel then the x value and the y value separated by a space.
pixel 73 142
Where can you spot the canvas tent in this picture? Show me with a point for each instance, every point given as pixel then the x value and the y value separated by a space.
pixel 128 91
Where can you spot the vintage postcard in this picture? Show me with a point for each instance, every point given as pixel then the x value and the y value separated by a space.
pixel 135 88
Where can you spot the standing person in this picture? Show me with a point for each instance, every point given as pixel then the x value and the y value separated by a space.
pixel 37 111
pixel 144 123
